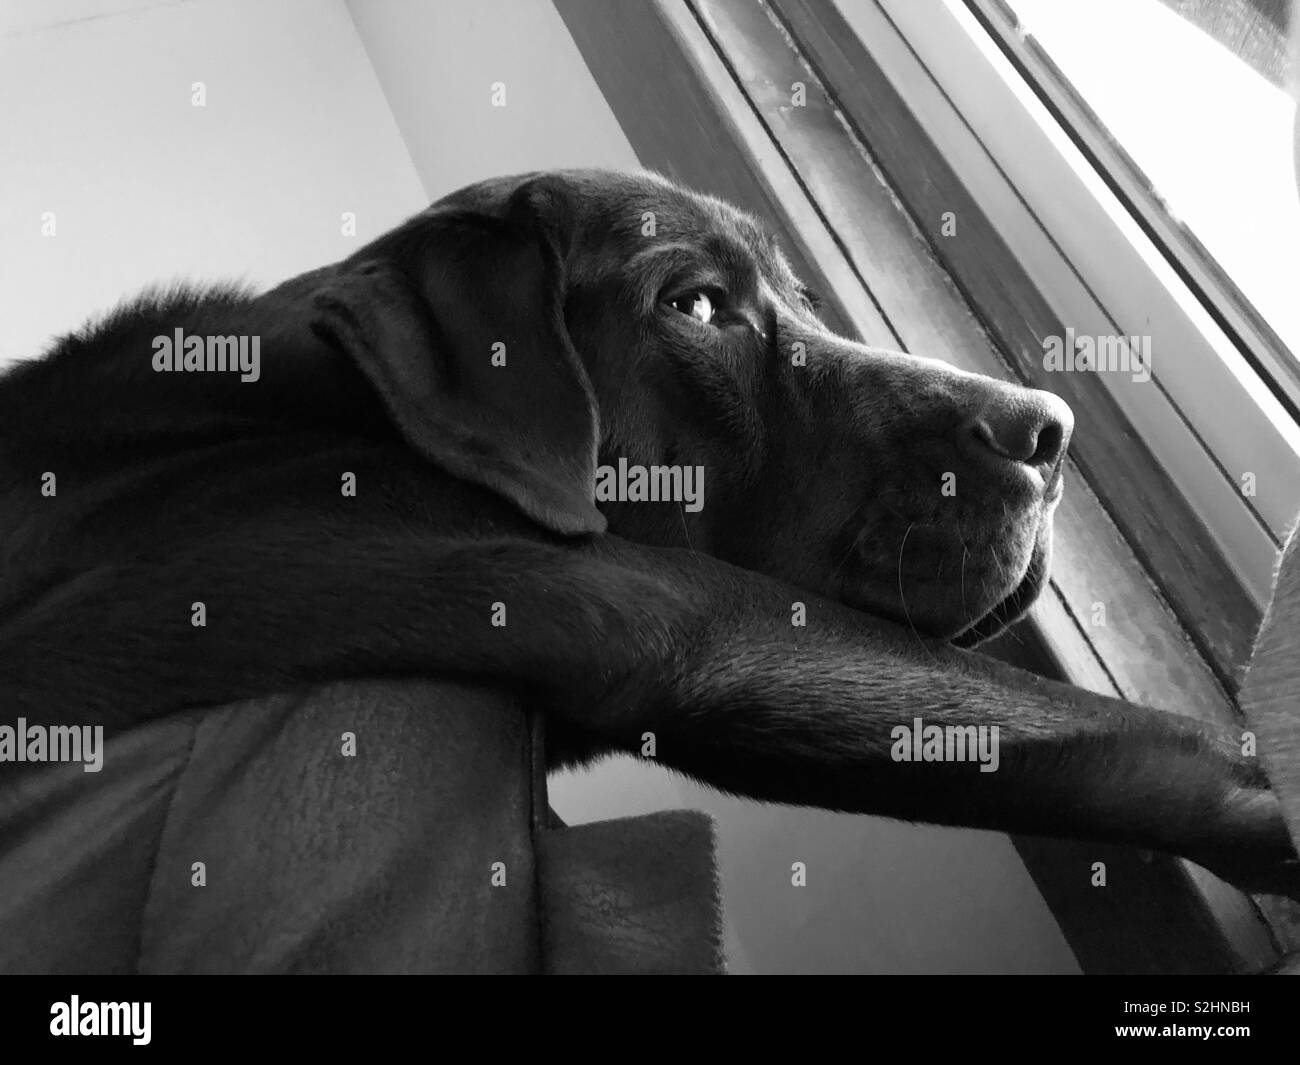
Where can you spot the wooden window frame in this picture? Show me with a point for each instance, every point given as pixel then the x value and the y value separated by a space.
pixel 1243 327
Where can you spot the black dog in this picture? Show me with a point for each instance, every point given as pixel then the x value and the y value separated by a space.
pixel 428 439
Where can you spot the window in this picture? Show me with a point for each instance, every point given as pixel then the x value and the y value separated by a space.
pixel 1184 106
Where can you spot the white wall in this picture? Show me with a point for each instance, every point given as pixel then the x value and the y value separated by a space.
pixel 437 62
pixel 96 125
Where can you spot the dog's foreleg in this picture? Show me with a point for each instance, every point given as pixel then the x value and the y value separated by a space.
pixel 827 714
pixel 617 640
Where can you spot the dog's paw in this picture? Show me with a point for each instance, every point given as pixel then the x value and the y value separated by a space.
pixel 1254 851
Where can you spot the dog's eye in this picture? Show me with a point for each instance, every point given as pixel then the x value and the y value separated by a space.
pixel 698 305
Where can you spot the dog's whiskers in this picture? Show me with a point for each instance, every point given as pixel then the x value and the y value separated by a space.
pixel 845 555
pixel 681 514
pixel 902 599
pixel 965 554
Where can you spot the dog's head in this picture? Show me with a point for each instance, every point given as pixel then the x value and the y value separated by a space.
pixel 582 341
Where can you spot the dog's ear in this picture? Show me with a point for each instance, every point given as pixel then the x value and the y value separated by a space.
pixel 457 320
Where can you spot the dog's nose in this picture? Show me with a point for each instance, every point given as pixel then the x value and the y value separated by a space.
pixel 1030 428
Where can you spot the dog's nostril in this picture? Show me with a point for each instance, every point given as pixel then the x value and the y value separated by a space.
pixel 1020 443
pixel 1048 449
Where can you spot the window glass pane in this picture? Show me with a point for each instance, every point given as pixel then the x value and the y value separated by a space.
pixel 1195 94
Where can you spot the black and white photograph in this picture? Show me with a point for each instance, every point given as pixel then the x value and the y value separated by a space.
pixel 647 487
